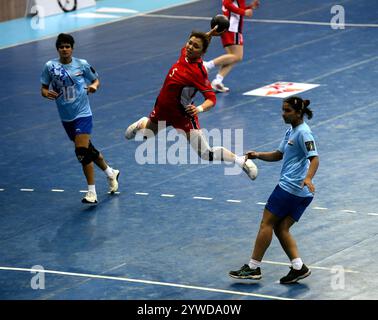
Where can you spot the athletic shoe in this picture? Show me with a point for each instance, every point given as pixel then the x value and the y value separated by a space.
pixel 133 129
pixel 246 272
pixel 90 198
pixel 250 168
pixel 113 181
pixel 219 87
pixel 295 275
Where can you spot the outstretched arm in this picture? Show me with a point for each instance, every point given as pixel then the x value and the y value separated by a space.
pixel 265 156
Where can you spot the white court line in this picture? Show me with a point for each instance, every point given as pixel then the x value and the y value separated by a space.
pixel 311 267
pixel 319 208
pixel 372 214
pixel 115 10
pixel 202 198
pixel 349 211
pixel 27 190
pixel 234 201
pixel 313 23
pixel 167 284
pixel 93 15
pixel 261 203
pixel 2 190
pixel 167 195
pixel 57 190
pixel 142 193
pixel 83 191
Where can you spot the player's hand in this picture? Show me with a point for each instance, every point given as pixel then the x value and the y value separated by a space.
pixel 251 155
pixel 214 32
pixel 49 94
pixel 91 89
pixel 248 12
pixel 308 182
pixel 191 110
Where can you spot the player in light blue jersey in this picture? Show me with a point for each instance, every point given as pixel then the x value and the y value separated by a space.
pixel 68 81
pixel 291 196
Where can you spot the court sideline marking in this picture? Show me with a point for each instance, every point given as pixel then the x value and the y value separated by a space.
pixel 165 195
pixel 167 284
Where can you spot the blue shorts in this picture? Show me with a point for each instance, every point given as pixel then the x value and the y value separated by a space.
pixel 282 203
pixel 78 126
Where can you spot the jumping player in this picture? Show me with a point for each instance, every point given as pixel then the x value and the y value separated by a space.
pixel 174 105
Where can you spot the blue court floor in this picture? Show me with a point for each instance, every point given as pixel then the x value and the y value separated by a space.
pixel 175 230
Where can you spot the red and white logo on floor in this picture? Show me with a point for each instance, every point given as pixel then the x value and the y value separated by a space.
pixel 281 89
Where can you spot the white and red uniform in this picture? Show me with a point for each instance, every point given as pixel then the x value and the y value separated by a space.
pixel 181 84
pixel 234 10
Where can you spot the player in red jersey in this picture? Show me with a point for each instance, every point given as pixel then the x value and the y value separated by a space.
pixel 174 105
pixel 232 40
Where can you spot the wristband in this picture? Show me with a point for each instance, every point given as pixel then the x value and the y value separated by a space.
pixel 200 108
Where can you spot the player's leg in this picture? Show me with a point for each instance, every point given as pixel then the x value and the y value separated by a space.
pixel 111 173
pixel 86 159
pixel 264 238
pixel 282 230
pixel 200 144
pixel 287 241
pixel 236 51
pixel 149 126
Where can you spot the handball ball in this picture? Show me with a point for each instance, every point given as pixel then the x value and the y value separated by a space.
pixel 221 21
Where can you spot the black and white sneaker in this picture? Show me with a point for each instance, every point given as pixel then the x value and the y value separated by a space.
pixel 245 272
pixel 295 275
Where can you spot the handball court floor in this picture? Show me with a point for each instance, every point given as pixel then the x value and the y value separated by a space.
pixel 172 231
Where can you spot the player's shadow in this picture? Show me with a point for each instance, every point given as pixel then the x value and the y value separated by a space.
pixel 79 236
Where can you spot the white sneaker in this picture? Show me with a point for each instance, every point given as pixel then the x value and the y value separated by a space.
pixel 113 181
pixel 90 198
pixel 250 168
pixel 219 87
pixel 133 129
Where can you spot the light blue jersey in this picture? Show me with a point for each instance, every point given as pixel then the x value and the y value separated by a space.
pixel 70 82
pixel 297 146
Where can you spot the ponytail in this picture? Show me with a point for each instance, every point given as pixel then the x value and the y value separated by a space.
pixel 298 104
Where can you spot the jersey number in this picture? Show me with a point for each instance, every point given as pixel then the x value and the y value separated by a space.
pixel 173 72
pixel 69 93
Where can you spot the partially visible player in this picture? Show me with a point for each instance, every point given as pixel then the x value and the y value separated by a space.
pixel 232 40
pixel 174 105
pixel 68 81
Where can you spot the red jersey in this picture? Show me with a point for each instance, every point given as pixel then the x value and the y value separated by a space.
pixel 181 84
pixel 234 10
pixel 183 81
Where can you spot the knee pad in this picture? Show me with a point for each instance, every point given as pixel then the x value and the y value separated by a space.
pixel 86 155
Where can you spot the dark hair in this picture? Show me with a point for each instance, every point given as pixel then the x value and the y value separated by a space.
pixel 298 104
pixel 64 38
pixel 204 37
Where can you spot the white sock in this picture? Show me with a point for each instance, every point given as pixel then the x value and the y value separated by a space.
pixel 109 172
pixel 209 64
pixel 218 79
pixel 254 264
pixel 240 160
pixel 92 187
pixel 297 263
